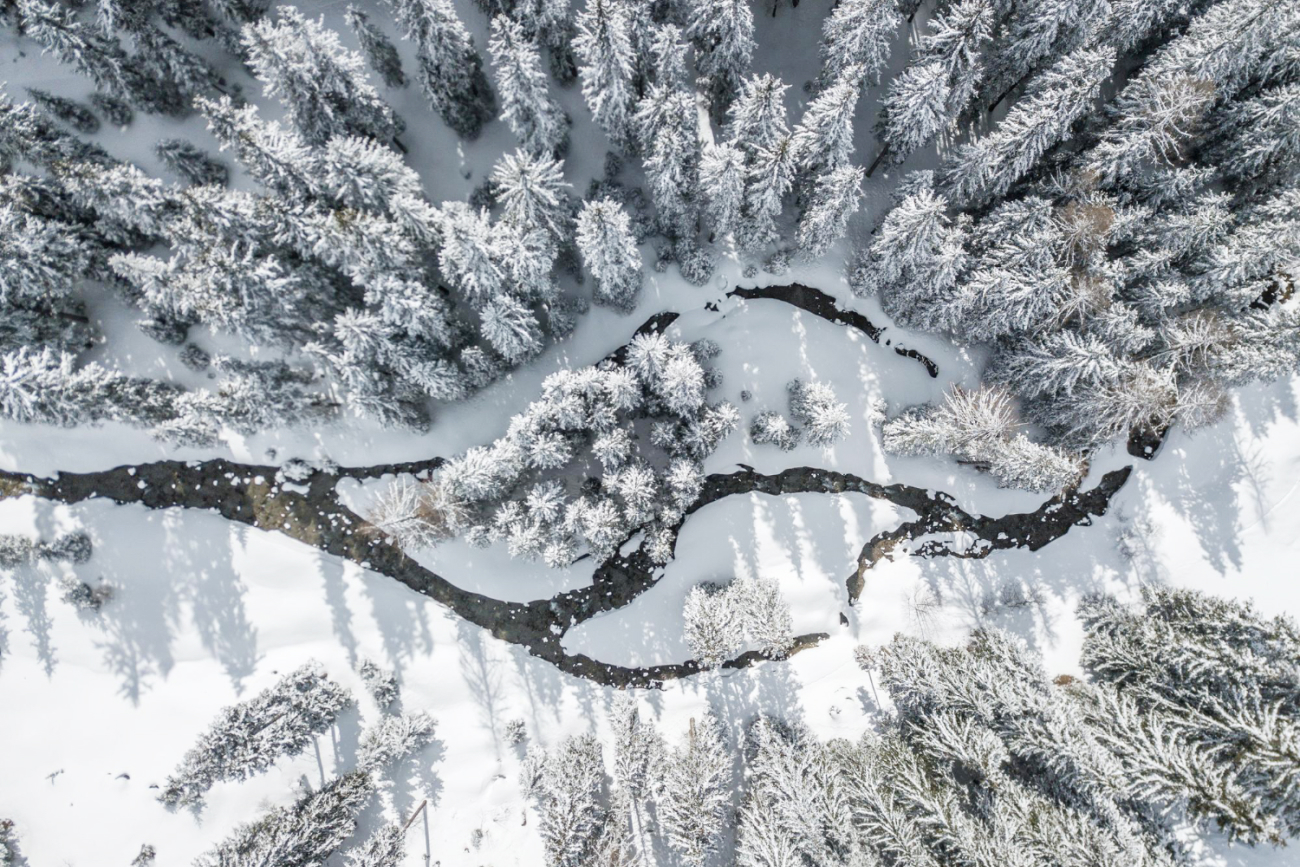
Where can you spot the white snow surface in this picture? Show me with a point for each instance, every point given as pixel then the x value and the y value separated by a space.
pixel 95 709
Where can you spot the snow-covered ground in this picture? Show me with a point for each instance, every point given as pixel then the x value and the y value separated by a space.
pixel 96 709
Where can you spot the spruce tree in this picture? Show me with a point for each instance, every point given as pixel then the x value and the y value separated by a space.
pixel 722 177
pixel 609 249
pixel 247 738
pixel 191 163
pixel 723 34
pixel 72 113
pixel 823 141
pixel 527 107
pixel 450 68
pixel 606 67
pixel 834 199
pixel 322 85
pixel 379 52
pixel 857 37
pixel 695 792
pixel 531 191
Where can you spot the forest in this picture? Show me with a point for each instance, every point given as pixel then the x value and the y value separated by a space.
pixel 664 369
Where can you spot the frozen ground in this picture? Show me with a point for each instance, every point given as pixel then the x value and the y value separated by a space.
pixel 94 709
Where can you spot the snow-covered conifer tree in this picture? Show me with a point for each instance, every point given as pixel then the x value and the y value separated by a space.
pixel 757 118
pixel 1204 688
pixel 191 163
pixel 856 38
pixel 96 56
pixel 1056 99
pixel 723 34
pixel 570 785
pixel 275 158
pixel 73 113
pixel 771 175
pixel 247 738
pixel 527 106
pixel 45 386
pixel 451 70
pixel 607 66
pixel 304 833
pixel 695 792
pixel 392 738
pixel 834 199
pixel 604 237
pixel 940 81
pixel 511 328
pixel 384 848
pixel 712 624
pixel 321 84
pixel 814 405
pixel 823 141
pixel 531 191
pixel 766 615
pixel 770 427
pixel 668 128
pixel 722 178
pixel 379 52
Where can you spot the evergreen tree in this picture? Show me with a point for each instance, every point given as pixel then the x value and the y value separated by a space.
pixel 191 163
pixel 322 85
pixel 1055 100
pixel 392 738
pixel 606 66
pixel 695 792
pixel 1037 33
pixel 772 428
pixel 712 624
pixel 172 75
pixel 979 427
pixel 823 141
pixel 72 113
pixel 531 192
pixel 723 34
pixel 276 159
pixel 1205 695
pixel 379 51
pixel 46 387
pixel 834 200
pixel 98 57
pixel 610 252
pixel 722 177
pixel 758 117
pixel 527 107
pixel 384 848
pixel 569 786
pixel 942 79
pixel 512 329
pixel 856 38
pixel 668 126
pixel 814 405
pixel 469 256
pixel 305 833
pixel 771 175
pixel 247 738
pixel 451 70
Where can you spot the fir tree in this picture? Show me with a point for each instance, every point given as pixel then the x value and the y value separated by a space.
pixel 99 58
pixel 606 66
pixel 695 792
pixel 814 405
pixel 451 70
pixel 305 833
pixel 823 141
pixel 722 177
pixel 610 252
pixel 191 163
pixel 772 428
pixel 1204 689
pixel 526 105
pixel 72 113
pixel 758 117
pixel 276 159
pixel 834 200
pixel 1055 100
pixel 322 85
pixel 712 624
pixel 392 738
pixel 666 120
pixel 384 848
pixel 247 738
pixel 531 192
pixel 379 51
pixel 723 34
pixel 771 175
pixel 569 788
pixel 856 38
